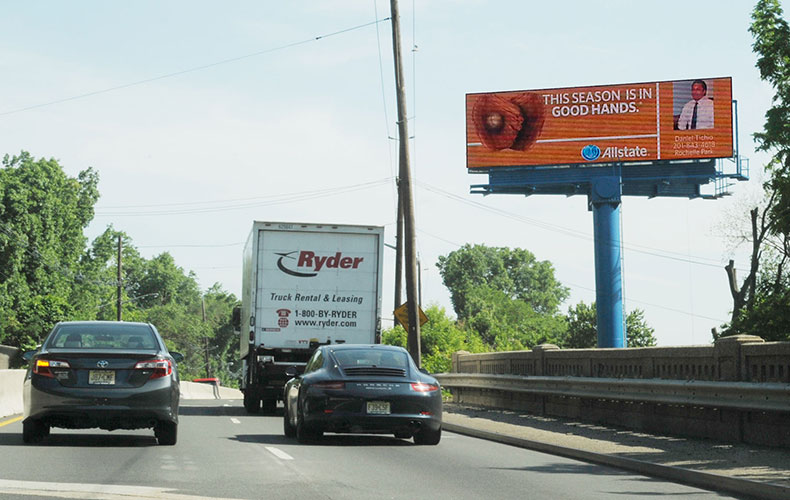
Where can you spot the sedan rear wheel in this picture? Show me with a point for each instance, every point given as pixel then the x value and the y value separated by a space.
pixel 428 436
pixel 167 433
pixel 34 431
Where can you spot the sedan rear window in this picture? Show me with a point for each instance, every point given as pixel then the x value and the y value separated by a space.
pixel 112 336
pixel 371 357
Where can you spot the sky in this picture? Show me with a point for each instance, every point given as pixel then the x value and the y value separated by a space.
pixel 201 117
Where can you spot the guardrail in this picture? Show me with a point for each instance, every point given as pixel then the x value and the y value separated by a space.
pixel 724 395
pixel 737 389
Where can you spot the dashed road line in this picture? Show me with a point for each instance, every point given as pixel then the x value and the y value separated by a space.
pixel 279 453
pixel 235 420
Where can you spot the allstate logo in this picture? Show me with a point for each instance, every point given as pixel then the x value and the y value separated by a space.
pixel 591 152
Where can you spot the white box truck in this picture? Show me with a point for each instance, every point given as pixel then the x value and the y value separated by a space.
pixel 304 285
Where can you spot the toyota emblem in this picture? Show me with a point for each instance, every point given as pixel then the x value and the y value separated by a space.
pixel 103 364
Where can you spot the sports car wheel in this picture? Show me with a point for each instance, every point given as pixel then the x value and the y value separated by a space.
pixel 304 433
pixel 428 436
pixel 288 429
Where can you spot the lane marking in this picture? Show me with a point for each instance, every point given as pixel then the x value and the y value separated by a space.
pixel 235 420
pixel 91 491
pixel 279 453
pixel 6 422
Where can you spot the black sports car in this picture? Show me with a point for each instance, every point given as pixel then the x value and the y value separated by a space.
pixel 372 389
pixel 109 375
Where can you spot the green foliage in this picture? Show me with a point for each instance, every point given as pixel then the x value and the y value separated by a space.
pixel 769 317
pixel 47 274
pixel 514 272
pixel 506 296
pixel 440 338
pixel 583 331
pixel 507 324
pixel 42 215
pixel 760 305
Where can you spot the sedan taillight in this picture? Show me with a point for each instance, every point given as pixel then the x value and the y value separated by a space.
pixel 160 367
pixel 420 387
pixel 43 366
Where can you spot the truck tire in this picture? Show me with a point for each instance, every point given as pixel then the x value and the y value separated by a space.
pixel 251 403
pixel 269 406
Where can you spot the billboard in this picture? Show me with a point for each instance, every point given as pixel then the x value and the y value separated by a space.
pixel 637 122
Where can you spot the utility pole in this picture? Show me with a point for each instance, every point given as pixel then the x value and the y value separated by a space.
pixel 120 287
pixel 399 254
pixel 405 193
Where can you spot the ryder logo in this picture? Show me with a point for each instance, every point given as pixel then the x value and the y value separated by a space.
pixel 308 264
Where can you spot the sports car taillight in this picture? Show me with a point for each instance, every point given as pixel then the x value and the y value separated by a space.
pixel 420 387
pixel 42 367
pixel 160 367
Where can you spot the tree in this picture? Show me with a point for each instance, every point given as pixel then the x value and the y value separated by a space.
pixel 506 324
pixel 759 302
pixel 583 331
pixel 514 272
pixel 440 338
pixel 42 215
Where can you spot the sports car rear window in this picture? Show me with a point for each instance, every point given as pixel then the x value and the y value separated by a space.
pixel 371 357
pixel 104 337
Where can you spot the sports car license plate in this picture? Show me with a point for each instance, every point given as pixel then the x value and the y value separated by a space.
pixel 101 377
pixel 378 407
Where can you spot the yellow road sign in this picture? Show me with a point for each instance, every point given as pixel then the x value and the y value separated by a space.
pixel 402 315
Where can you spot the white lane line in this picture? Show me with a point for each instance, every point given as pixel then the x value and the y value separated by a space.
pixel 279 453
pixel 235 420
pixel 91 491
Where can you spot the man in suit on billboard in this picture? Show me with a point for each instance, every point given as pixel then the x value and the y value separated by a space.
pixel 698 112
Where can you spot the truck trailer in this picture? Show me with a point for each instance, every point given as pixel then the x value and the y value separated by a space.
pixel 304 285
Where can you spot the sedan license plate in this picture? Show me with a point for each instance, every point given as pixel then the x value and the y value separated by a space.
pixel 378 407
pixel 101 377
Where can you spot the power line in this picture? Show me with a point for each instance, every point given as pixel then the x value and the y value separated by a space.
pixel 194 69
pixel 57 267
pixel 570 232
pixel 244 204
pixel 577 286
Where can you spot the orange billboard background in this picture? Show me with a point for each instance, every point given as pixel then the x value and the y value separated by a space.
pixel 601 124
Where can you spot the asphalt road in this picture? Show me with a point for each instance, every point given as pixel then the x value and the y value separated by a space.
pixel 224 453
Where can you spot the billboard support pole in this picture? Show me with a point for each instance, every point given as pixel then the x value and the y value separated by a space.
pixel 605 204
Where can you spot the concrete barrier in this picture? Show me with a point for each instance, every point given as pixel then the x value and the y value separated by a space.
pixel 9 357
pixel 11 392
pixel 196 390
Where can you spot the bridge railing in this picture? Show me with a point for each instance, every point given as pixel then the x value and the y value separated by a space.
pixel 737 389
